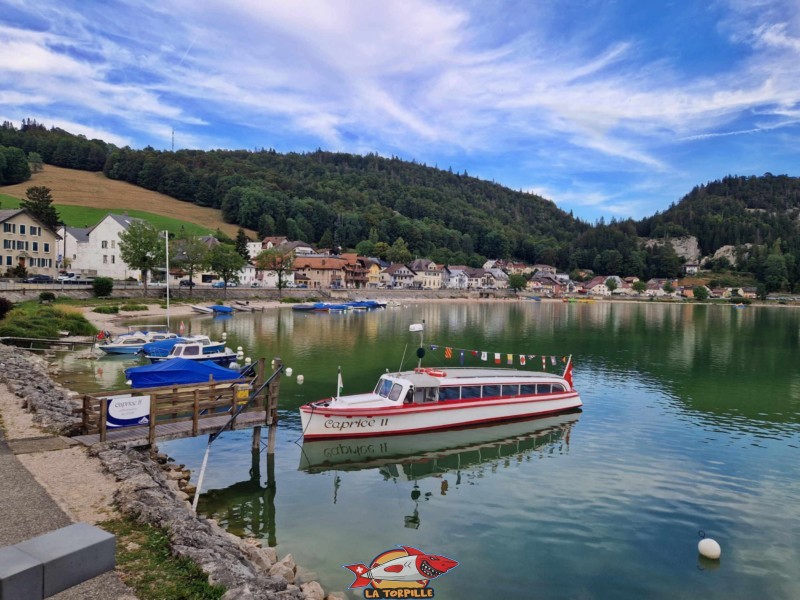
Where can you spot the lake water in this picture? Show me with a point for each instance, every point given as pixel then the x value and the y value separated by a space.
pixel 691 422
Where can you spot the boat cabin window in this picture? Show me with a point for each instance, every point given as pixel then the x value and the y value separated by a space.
pixel 394 394
pixel 449 393
pixel 527 389
pixel 388 389
pixel 429 394
pixel 544 388
pixel 510 390
pixel 470 391
pixel 491 391
pixel 191 350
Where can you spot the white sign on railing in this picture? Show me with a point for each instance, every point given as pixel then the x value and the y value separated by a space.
pixel 127 410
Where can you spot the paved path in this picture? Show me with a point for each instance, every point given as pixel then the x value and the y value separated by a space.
pixel 26 510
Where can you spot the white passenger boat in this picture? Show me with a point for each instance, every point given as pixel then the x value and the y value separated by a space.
pixel 425 399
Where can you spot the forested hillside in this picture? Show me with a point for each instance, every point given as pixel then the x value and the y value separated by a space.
pixel 395 208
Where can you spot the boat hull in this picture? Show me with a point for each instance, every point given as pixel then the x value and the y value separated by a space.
pixel 114 349
pixel 327 423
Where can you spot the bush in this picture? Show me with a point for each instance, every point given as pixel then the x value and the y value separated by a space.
pixel 47 297
pixel 106 310
pixel 5 306
pixel 37 321
pixel 103 286
pixel 133 307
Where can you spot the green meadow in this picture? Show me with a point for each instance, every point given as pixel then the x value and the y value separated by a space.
pixel 81 216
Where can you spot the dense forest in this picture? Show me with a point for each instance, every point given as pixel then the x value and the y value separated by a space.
pixel 387 206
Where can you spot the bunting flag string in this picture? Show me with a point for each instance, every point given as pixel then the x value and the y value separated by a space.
pixel 484 356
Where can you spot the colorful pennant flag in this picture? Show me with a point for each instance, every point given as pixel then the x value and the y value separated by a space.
pixel 497 358
pixel 510 359
pixel 552 360
pixel 448 353
pixel 434 348
pixel 484 356
pixel 522 359
pixel 544 363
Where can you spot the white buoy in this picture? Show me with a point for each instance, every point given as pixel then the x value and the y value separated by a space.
pixel 239 349
pixel 300 379
pixel 248 361
pixel 289 371
pixel 709 548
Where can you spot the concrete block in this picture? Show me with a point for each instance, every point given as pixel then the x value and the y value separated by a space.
pixel 71 555
pixel 20 575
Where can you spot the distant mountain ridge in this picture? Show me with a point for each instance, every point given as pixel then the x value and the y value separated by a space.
pixel 387 206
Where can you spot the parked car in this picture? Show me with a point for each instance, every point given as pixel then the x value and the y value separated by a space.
pixel 221 284
pixel 39 279
pixel 301 285
pixel 187 283
pixel 255 284
pixel 67 277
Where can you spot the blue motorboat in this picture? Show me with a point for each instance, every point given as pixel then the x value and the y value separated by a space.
pixel 194 351
pixel 178 371
pixel 327 307
pixel 303 307
pixel 366 304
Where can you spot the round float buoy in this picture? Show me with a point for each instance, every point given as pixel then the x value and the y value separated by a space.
pixel 300 379
pixel 709 548
pixel 289 371
pixel 224 335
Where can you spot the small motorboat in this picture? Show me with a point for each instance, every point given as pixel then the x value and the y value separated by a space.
pixel 303 307
pixel 163 347
pixel 242 307
pixel 203 310
pixel 194 351
pixel 328 307
pixel 132 343
pixel 179 371
pixel 221 308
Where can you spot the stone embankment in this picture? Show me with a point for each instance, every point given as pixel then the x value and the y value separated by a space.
pixel 153 490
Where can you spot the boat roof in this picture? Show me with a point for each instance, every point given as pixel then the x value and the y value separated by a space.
pixel 479 374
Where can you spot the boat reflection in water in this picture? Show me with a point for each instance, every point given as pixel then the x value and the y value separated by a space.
pixel 422 455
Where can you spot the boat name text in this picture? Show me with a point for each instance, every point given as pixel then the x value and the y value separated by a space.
pixel 355 424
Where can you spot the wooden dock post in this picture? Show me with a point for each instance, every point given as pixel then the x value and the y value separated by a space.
pixel 273 389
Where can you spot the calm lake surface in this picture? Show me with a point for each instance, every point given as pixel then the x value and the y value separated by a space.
pixel 691 422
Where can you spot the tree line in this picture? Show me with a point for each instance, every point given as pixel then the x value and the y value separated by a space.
pixel 393 209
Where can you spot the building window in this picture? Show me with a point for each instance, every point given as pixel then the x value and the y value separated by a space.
pixel 104 244
pixel 22 229
pixel 105 259
pixel 113 243
pixel 35 246
pixel 46 248
pixel 8 245
pixel 113 259
pixel 8 260
pixel 9 228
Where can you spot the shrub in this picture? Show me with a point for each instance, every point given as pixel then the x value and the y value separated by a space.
pixel 103 286
pixel 47 297
pixel 5 306
pixel 37 321
pixel 106 310
pixel 133 307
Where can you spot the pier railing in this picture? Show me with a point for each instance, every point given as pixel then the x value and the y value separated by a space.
pixel 185 407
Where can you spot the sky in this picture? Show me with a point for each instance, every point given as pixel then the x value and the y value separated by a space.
pixel 611 109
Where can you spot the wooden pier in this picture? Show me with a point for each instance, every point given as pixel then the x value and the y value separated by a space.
pixel 188 410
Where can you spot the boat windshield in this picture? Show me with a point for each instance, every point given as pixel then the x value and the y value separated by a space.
pixel 388 389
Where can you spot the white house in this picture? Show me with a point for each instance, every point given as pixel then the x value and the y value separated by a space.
pixel 94 251
pixel 456 278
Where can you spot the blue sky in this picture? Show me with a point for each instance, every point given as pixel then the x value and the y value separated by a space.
pixel 608 108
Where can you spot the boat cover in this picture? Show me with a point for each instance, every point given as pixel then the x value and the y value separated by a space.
pixel 178 371
pixel 162 347
pixel 221 308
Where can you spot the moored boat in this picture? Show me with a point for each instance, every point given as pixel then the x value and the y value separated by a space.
pixel 221 308
pixel 179 371
pixel 425 399
pixel 133 342
pixel 194 351
pixel 163 347
pixel 203 310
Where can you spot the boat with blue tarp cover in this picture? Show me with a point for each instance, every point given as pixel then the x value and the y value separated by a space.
pixel 179 371
pixel 221 308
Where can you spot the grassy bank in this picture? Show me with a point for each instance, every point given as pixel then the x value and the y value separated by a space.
pixel 34 320
pixel 145 563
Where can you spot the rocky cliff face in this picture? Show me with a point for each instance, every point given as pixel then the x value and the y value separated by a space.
pixel 686 247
